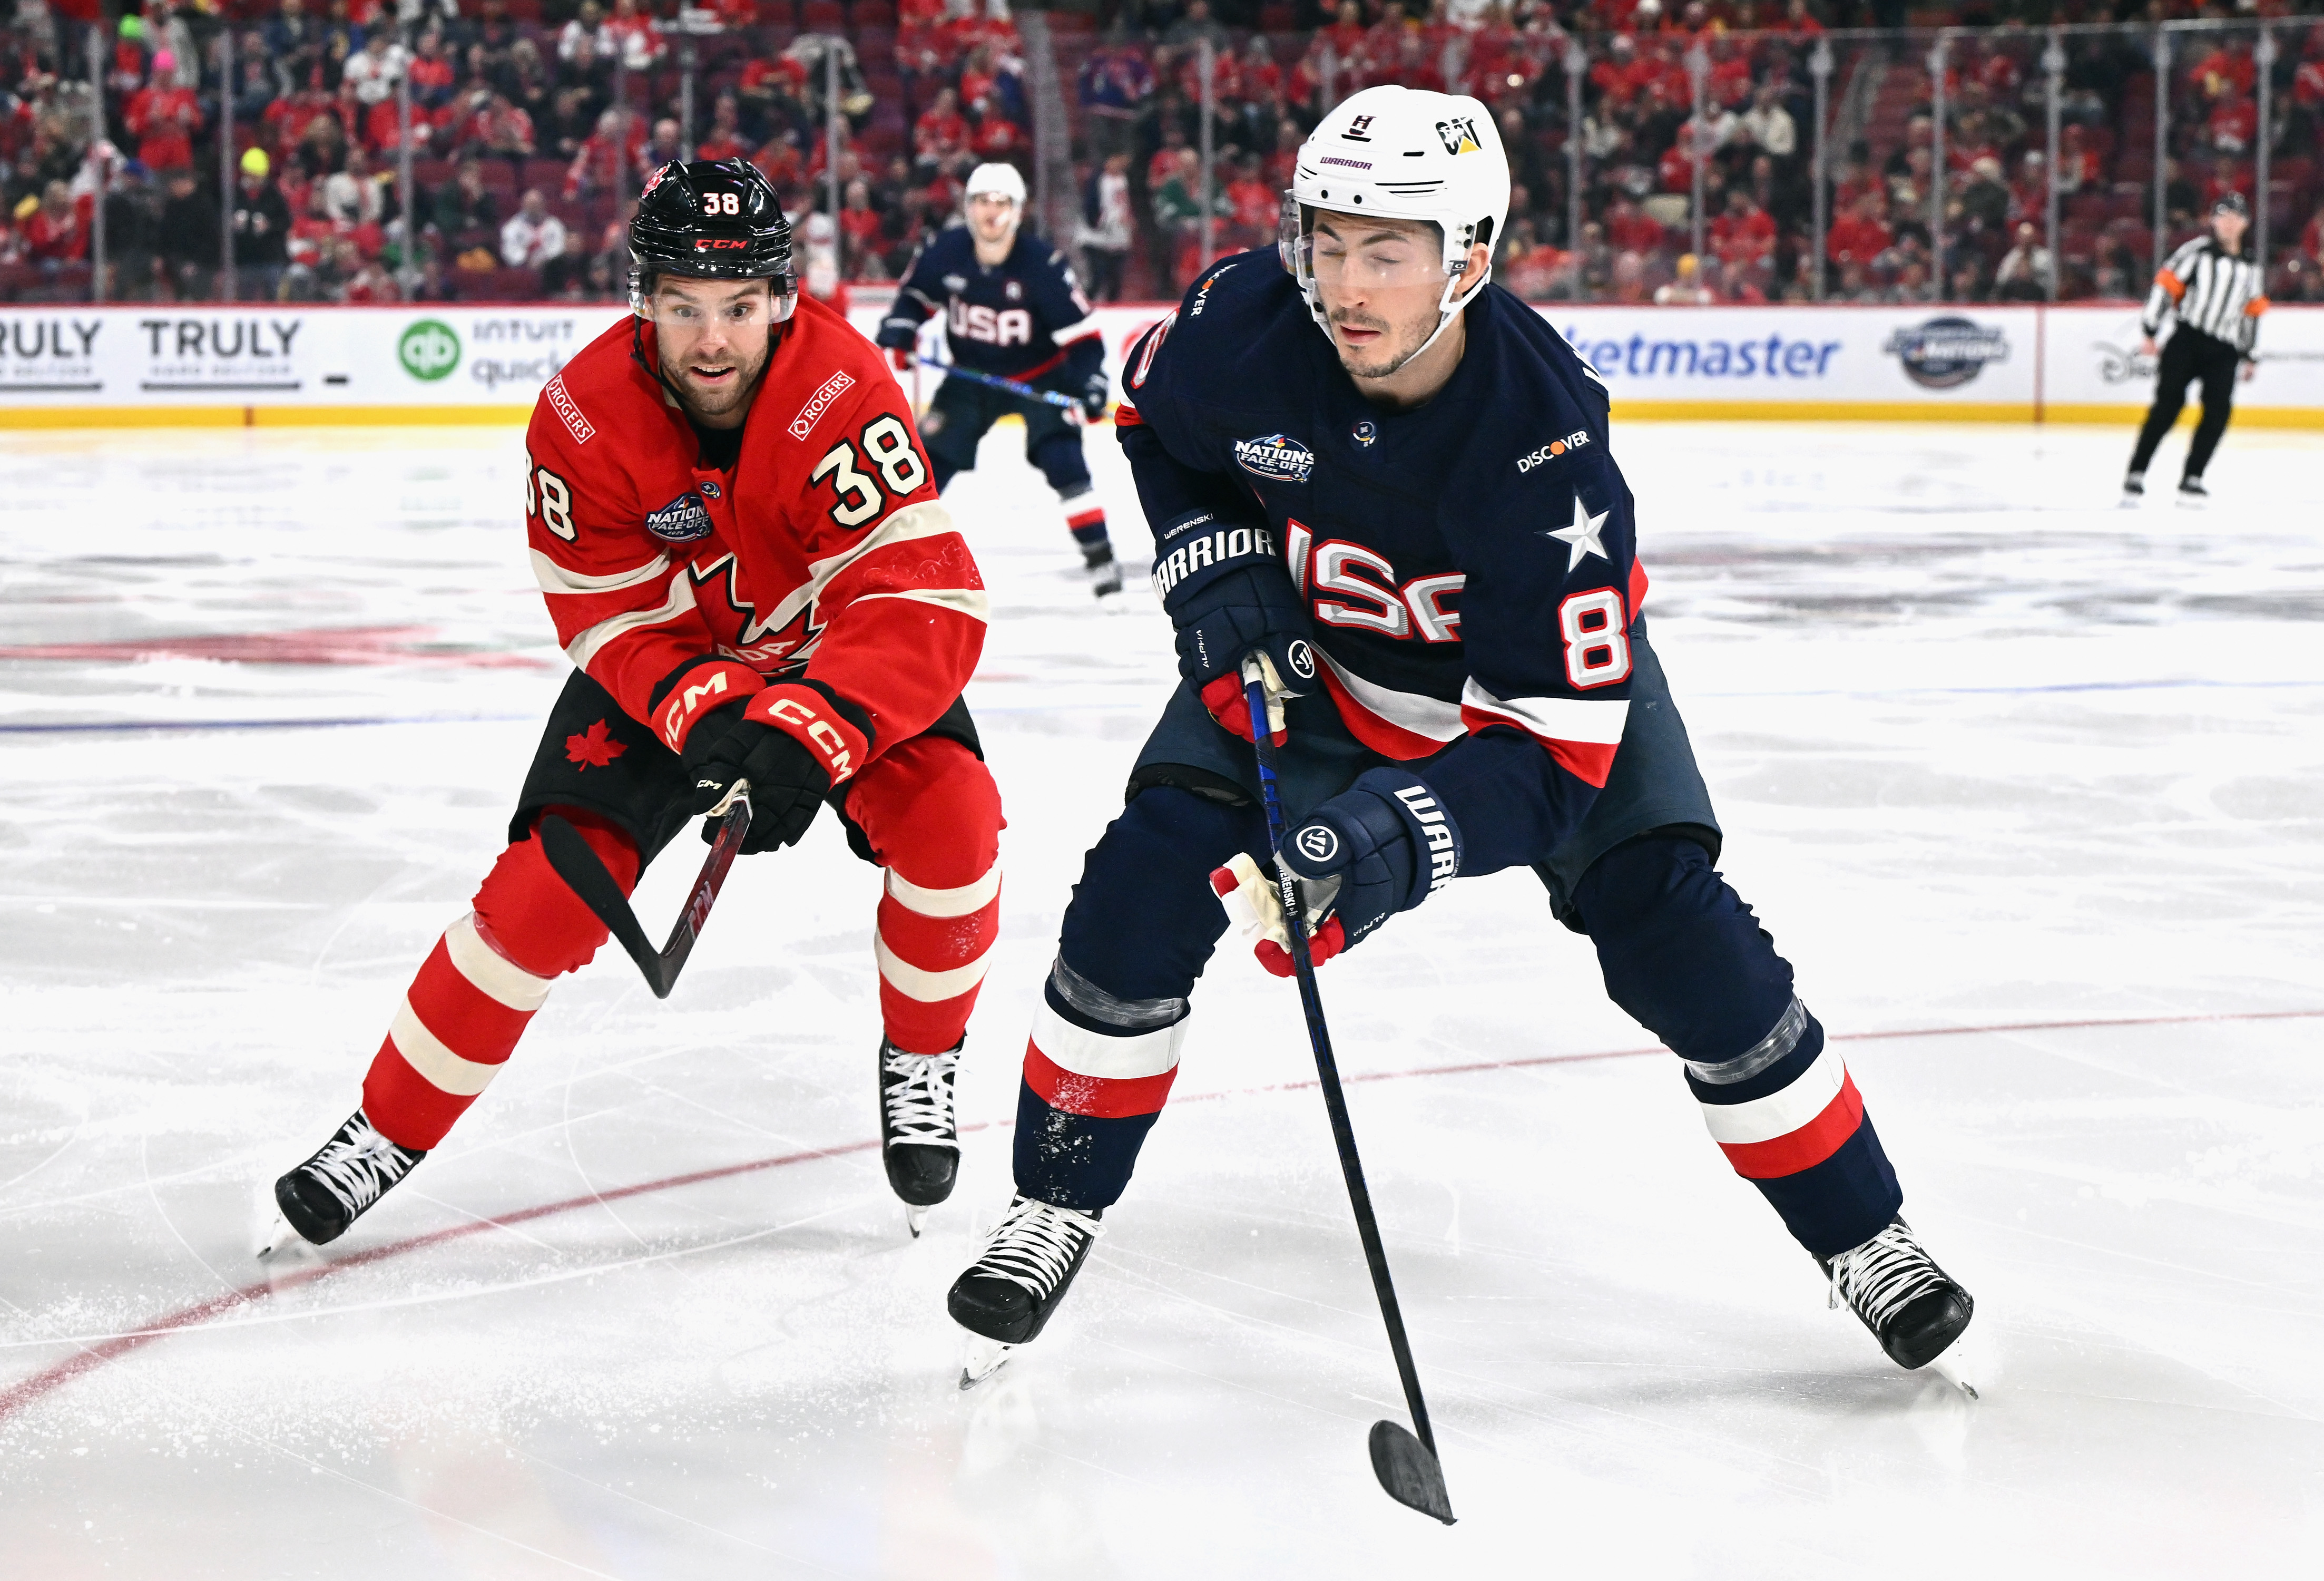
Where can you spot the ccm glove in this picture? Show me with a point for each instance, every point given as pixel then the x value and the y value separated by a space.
pixel 1380 846
pixel 792 743
pixel 1231 597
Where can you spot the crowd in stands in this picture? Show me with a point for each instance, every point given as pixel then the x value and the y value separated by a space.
pixel 279 130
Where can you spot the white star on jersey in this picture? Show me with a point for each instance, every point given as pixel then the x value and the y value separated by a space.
pixel 1583 534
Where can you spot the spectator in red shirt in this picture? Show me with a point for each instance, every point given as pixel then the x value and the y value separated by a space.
pixel 1257 207
pixel 1859 237
pixel 1629 231
pixel 1744 235
pixel 431 73
pixel 55 234
pixel 941 134
pixel 600 165
pixel 632 37
pixel 780 162
pixel 862 233
pixel 164 117
pixel 2225 69
pixel 725 138
pixel 1346 33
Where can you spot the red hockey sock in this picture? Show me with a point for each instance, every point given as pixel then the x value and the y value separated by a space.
pixel 1087 525
pixel 932 818
pixel 482 983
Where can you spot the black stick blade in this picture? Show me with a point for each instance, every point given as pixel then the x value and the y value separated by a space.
pixel 1408 1473
pixel 569 854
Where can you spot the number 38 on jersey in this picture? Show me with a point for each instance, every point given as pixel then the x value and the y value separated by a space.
pixel 886 447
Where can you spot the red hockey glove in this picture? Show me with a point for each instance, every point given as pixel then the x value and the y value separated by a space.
pixel 900 358
pixel 791 744
pixel 698 690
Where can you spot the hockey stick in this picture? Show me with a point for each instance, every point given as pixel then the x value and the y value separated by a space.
pixel 1405 1466
pixel 954 370
pixel 586 877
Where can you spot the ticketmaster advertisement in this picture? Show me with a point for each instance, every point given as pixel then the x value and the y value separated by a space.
pixel 264 363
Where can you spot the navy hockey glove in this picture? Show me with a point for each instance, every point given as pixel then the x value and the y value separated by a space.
pixel 1231 597
pixel 793 746
pixel 1096 390
pixel 1382 845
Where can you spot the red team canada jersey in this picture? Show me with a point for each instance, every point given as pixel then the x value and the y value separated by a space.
pixel 823 556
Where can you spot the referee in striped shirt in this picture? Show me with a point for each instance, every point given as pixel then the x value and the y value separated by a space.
pixel 2213 292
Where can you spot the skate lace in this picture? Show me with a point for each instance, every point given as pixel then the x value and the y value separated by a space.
pixel 358 1164
pixel 919 1103
pixel 1035 1243
pixel 1880 1278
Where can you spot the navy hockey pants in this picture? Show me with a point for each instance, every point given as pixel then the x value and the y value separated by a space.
pixel 1679 950
pixel 961 411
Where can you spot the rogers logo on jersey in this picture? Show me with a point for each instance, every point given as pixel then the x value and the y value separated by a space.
pixel 682 521
pixel 1277 457
pixel 1554 449
pixel 819 403
pixel 560 400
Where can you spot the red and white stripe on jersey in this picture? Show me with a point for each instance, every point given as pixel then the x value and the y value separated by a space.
pixel 451 1036
pixel 1580 733
pixel 932 947
pixel 1107 1075
pixel 1398 724
pixel 1794 1128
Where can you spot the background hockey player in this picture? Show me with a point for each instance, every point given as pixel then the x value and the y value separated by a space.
pixel 2209 295
pixel 741 546
pixel 1391 481
pixel 1012 309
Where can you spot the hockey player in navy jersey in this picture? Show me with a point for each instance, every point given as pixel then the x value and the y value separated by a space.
pixel 1392 483
pixel 1012 309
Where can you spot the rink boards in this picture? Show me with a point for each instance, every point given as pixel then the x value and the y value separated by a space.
pixel 69 366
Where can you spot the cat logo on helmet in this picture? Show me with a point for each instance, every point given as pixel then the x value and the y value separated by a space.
pixel 1359 130
pixel 1460 135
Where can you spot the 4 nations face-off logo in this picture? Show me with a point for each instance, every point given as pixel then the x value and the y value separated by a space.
pixel 1276 457
pixel 1947 352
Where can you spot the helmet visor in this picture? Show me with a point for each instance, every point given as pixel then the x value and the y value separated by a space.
pixel 1354 252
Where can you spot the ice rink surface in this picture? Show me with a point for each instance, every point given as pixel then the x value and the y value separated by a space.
pixel 2026 786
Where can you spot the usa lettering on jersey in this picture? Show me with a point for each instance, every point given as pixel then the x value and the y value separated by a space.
pixel 989 325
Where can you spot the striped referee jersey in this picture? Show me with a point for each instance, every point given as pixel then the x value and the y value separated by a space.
pixel 2208 288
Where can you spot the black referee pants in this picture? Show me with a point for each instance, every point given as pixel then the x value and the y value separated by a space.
pixel 2189 356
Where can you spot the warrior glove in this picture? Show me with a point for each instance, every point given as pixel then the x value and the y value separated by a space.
pixel 1230 599
pixel 795 746
pixel 1380 846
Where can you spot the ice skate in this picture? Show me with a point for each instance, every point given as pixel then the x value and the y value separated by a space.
pixel 2191 491
pixel 2133 490
pixel 920 1144
pixel 1104 570
pixel 1913 1308
pixel 1007 1296
pixel 318 1200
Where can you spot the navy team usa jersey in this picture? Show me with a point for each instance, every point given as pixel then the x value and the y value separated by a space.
pixel 1019 319
pixel 1470 566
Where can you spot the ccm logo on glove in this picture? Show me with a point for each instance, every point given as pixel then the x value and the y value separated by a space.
pixel 801 714
pixel 712 686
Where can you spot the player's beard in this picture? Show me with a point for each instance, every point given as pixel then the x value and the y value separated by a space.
pixel 1396 347
pixel 712 408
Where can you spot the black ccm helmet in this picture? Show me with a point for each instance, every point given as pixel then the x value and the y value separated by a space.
pixel 712 219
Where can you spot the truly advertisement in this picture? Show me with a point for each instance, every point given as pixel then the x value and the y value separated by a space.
pixel 270 357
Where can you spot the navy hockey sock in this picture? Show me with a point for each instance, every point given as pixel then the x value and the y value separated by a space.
pixel 1104 1047
pixel 1683 954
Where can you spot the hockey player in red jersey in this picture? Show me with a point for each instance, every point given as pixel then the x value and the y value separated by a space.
pixel 739 540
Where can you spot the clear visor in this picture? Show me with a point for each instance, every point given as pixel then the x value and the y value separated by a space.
pixel 1346 252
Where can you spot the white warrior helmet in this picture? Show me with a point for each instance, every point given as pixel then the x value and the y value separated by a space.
pixel 1000 180
pixel 1403 154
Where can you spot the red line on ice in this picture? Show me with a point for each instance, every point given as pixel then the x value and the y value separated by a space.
pixel 327 645
pixel 19 1395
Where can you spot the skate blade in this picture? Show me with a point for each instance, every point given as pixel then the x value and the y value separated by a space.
pixel 914 1219
pixel 1956 1365
pixel 980 1358
pixel 270 1232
